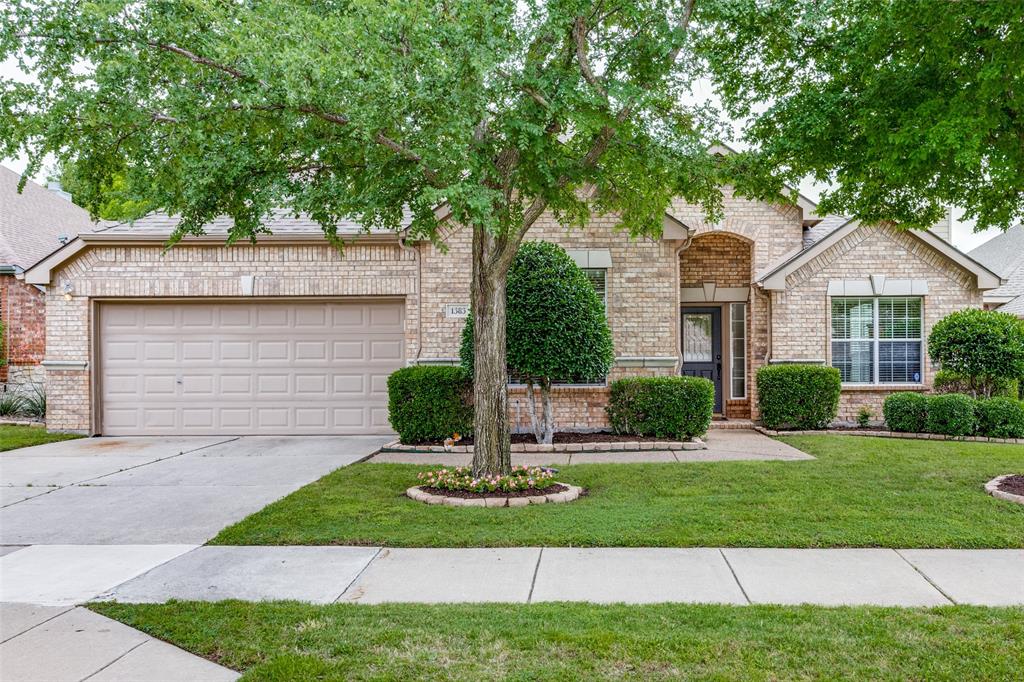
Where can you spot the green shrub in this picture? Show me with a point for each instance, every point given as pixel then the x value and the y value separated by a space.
pixel 663 407
pixel 11 404
pixel 1001 418
pixel 952 414
pixel 906 412
pixel 429 403
pixel 798 396
pixel 556 328
pixel 984 346
pixel 35 402
pixel 948 381
pixel 864 415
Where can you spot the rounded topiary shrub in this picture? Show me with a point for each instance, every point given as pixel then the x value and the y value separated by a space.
pixel 906 412
pixel 952 414
pixel 428 403
pixel 1001 418
pixel 662 407
pixel 798 396
pixel 984 347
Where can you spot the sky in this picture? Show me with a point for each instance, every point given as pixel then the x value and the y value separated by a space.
pixel 964 237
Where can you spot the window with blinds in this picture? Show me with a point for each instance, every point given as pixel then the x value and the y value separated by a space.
pixel 877 340
pixel 598 278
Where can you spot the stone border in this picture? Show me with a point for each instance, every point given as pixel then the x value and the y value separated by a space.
pixel 888 434
pixel 21 422
pixel 992 488
pixel 694 444
pixel 417 493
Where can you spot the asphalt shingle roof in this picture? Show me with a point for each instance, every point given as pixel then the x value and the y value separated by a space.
pixel 281 222
pixel 1004 255
pixel 32 223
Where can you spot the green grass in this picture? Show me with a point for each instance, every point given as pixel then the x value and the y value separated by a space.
pixel 860 492
pixel 291 641
pixel 14 437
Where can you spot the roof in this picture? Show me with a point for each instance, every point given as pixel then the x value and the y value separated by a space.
pixel 281 222
pixel 1004 254
pixel 827 226
pixel 33 222
pixel 774 278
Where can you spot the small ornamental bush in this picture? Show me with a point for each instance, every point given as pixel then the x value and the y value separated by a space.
pixel 798 396
pixel 864 416
pixel 1001 418
pixel 952 414
pixel 461 478
pixel 662 407
pixel 948 381
pixel 428 403
pixel 906 412
pixel 984 346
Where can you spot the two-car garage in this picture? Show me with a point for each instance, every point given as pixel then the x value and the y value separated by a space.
pixel 242 367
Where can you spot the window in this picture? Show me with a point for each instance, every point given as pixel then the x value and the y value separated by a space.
pixel 598 278
pixel 877 340
pixel 738 357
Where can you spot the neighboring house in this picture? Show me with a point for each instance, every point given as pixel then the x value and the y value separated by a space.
pixel 1004 255
pixel 292 336
pixel 33 225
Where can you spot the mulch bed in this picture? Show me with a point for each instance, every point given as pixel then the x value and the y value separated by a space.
pixel 1013 485
pixel 469 494
pixel 562 437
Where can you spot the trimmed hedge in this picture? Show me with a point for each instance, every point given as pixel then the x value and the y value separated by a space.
pixel 798 396
pixel 663 407
pixel 430 403
pixel 1001 418
pixel 906 412
pixel 952 414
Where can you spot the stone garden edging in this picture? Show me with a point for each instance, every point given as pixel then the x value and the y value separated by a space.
pixel 888 434
pixel 992 488
pixel 695 444
pixel 571 493
pixel 21 422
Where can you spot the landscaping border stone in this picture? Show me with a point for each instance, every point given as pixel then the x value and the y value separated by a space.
pixel 888 434
pixel 571 493
pixel 694 444
pixel 992 488
pixel 22 422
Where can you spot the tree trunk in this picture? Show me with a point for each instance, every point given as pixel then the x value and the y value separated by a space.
pixel 549 417
pixel 531 402
pixel 491 436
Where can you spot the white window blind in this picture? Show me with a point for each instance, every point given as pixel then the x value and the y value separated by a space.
pixel 877 340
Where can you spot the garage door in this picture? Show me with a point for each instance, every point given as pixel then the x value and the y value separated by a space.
pixel 247 368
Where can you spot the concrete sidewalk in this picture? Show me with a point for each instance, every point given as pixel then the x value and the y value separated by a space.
pixel 58 644
pixel 829 577
pixel 724 445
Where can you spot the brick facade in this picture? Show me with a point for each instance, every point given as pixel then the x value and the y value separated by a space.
pixel 644 285
pixel 23 314
pixel 801 315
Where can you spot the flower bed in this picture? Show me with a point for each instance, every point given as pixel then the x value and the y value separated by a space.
pixel 458 487
pixel 1009 487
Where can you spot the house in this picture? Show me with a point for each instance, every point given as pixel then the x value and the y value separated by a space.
pixel 292 336
pixel 1004 255
pixel 33 224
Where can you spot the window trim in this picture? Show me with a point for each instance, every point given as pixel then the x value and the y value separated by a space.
pixel 875 340
pixel 732 356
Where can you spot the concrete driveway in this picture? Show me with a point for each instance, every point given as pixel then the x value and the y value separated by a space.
pixel 156 490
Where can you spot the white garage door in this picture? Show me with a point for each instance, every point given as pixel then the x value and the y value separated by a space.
pixel 247 368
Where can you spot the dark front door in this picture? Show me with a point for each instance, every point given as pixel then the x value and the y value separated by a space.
pixel 702 347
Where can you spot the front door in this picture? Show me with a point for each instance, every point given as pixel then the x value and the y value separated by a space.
pixel 702 347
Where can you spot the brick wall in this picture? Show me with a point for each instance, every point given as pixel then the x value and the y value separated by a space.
pixel 23 314
pixel 801 314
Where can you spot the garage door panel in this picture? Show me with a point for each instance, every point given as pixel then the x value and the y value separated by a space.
pixel 247 367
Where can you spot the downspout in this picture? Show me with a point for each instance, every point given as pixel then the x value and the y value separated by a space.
pixel 402 242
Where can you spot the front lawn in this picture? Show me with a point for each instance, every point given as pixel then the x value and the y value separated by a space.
pixel 13 437
pixel 291 641
pixel 860 492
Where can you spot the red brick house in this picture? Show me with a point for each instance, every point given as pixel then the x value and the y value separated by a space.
pixel 33 224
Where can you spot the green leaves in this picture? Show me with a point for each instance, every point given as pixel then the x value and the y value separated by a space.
pixel 556 329
pixel 984 345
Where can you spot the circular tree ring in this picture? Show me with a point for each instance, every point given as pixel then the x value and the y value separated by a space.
pixel 571 493
pixel 992 488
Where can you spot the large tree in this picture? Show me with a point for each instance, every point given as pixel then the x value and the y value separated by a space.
pixel 500 110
